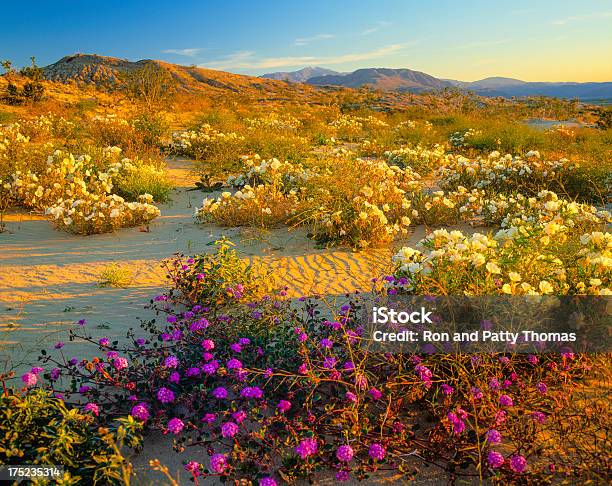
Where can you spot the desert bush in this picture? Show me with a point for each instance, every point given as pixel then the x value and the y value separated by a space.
pixel 281 145
pixel 216 152
pixel 420 159
pixel 221 278
pixel 38 428
pixel 258 171
pixel 78 197
pixel 32 89
pixel 477 208
pixel 274 121
pixel 6 117
pixel 604 118
pixel 151 84
pixel 18 153
pixel 439 208
pixel 137 178
pixel 507 174
pixel 50 126
pixel 103 214
pixel 360 202
pixel 259 206
pixel 347 201
pixel 525 260
pixel 140 137
pixel 226 371
pixel 152 127
pixel 543 208
pixel 352 128
pixel 268 194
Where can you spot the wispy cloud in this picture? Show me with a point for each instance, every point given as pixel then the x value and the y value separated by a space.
pixel 234 59
pixel 303 41
pixel 188 52
pixel 381 24
pixel 580 18
pixel 475 45
pixel 248 60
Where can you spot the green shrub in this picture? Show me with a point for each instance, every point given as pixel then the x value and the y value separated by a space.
pixel 7 117
pixel 138 178
pixel 37 428
pixel 151 127
pixel 278 145
pixel 114 275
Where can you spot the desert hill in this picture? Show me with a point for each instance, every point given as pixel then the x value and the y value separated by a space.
pixel 88 69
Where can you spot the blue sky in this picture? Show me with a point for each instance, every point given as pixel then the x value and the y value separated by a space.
pixel 532 40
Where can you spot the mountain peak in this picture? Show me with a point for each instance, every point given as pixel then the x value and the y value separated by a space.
pixel 387 79
pixel 300 76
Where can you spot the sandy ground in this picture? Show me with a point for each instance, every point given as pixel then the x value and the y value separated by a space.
pixel 50 279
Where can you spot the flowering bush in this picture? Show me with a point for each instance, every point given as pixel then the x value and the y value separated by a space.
pixel 546 208
pixel 524 260
pixel 140 136
pixel 205 143
pixel 349 127
pixel 221 278
pixel 78 196
pixel 274 392
pixel 137 178
pixel 462 139
pixel 274 121
pixel 18 152
pixel 418 158
pixel 103 214
pixel 506 174
pixel 445 208
pixel 47 126
pixel 260 206
pixel 361 202
pixel 257 171
pixel 354 201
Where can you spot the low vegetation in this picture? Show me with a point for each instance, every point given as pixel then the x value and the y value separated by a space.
pixel 115 275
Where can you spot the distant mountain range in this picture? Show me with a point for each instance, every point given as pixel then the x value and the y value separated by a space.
pixel 384 79
pixel 107 72
pixel 407 80
pixel 300 76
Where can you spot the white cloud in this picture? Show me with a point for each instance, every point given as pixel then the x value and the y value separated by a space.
pixel 302 41
pixel 248 60
pixel 188 52
pixel 375 28
pixel 580 18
